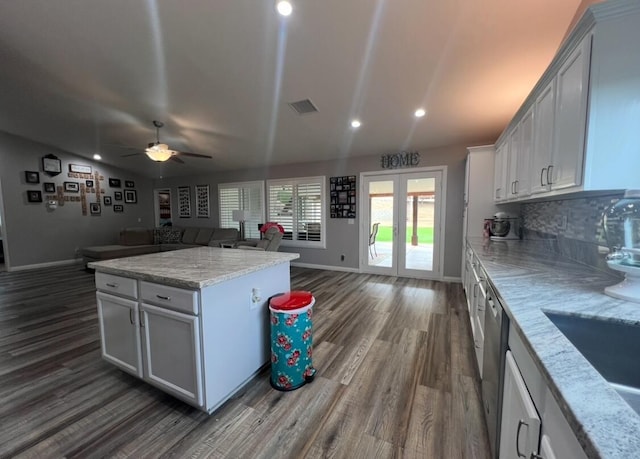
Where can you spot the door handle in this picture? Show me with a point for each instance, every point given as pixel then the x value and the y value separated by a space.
pixel 541 174
pixel 520 424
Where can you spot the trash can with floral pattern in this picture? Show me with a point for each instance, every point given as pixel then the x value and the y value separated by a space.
pixel 291 340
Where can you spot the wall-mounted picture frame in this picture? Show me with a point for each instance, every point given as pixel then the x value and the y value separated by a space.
pixel 89 183
pixel 129 184
pixel 95 208
pixel 202 201
pixel 34 196
pixel 31 176
pixel 71 187
pixel 342 192
pixel 114 183
pixel 107 200
pixel 118 208
pixel 80 168
pixel 130 196
pixel 117 195
pixel 49 187
pixel 184 202
pixel 51 165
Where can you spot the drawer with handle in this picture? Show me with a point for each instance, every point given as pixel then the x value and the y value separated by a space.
pixel 117 285
pixel 174 298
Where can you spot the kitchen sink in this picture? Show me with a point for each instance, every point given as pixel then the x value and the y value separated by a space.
pixel 611 347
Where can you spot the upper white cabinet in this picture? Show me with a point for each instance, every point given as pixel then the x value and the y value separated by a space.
pixel 500 171
pixel 582 116
pixel 565 170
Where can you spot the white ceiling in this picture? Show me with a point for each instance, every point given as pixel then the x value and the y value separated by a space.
pixel 87 76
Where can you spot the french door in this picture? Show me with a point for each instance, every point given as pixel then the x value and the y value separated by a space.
pixel 400 230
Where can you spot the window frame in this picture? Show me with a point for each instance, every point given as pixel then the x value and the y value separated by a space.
pixel 295 182
pixel 242 185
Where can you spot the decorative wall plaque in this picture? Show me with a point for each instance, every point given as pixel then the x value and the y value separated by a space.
pixel 343 196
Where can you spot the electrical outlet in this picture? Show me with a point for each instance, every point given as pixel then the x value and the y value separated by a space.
pixel 564 221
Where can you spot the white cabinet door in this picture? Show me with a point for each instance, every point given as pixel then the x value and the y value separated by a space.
pixel 512 169
pixel 171 343
pixel 571 118
pixel 119 332
pixel 520 429
pixel 525 151
pixel 543 138
pixel 500 172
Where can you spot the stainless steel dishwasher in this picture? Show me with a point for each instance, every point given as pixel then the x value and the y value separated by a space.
pixel 496 335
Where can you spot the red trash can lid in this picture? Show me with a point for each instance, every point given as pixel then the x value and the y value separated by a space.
pixel 291 300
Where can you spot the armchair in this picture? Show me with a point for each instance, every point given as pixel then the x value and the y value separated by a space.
pixel 270 242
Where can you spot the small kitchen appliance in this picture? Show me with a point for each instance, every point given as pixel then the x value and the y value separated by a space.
pixel 504 227
pixel 622 230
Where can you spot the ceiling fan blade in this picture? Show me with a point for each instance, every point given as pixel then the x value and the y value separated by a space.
pixel 176 159
pixel 130 154
pixel 195 155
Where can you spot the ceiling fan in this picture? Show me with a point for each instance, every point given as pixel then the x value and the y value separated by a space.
pixel 161 152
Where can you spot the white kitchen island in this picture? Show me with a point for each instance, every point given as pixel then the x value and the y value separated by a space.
pixel 192 322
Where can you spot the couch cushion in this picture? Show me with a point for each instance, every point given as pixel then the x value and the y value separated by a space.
pixel 225 234
pixel 136 236
pixel 189 235
pixel 167 235
pixel 204 234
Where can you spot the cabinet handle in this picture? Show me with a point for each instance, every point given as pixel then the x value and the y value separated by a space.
pixel 131 316
pixel 475 291
pixel 166 298
pixel 517 186
pixel 541 174
pixel 112 285
pixel 520 424
pixel 141 318
pixel 549 175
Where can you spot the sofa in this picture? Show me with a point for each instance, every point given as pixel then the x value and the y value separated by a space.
pixel 141 241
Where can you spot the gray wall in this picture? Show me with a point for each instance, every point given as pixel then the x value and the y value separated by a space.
pixel 36 235
pixel 342 238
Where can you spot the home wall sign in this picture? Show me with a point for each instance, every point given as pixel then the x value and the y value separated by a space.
pixel 343 197
pixel 79 168
pixel 398 160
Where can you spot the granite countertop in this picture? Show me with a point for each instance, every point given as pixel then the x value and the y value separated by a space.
pixel 530 279
pixel 193 268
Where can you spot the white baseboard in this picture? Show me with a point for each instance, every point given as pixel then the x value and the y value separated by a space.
pixel 46 265
pixel 325 267
pixel 452 279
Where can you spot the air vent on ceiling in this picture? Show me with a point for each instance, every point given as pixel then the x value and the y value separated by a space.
pixel 303 107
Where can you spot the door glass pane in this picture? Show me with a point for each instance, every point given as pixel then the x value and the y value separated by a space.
pixel 381 223
pixel 420 202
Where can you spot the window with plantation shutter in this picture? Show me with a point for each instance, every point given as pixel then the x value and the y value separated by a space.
pixel 298 205
pixel 247 196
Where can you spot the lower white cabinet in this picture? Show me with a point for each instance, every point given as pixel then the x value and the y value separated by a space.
pixel 120 332
pixel 520 432
pixel 171 344
pixel 533 425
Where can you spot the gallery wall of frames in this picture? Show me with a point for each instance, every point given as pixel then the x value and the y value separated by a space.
pixel 81 185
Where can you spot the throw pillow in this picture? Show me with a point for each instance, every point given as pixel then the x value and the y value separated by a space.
pixel 167 235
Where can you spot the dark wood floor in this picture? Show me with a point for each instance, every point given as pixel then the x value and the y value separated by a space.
pixel 395 379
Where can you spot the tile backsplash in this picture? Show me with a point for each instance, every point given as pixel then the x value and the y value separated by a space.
pixel 575 225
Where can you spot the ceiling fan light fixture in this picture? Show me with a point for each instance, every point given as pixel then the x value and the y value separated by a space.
pixel 159 152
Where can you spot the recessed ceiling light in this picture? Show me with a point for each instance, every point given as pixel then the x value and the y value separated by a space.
pixel 420 113
pixel 97 157
pixel 284 8
pixel 355 124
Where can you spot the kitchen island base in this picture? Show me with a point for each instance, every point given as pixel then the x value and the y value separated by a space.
pixel 199 345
